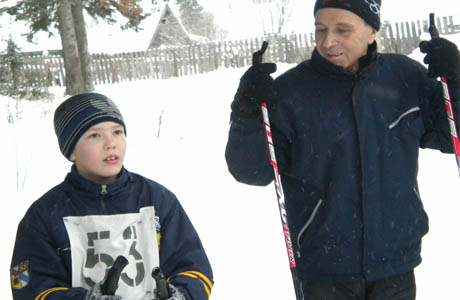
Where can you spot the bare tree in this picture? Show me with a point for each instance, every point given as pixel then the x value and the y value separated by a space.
pixel 274 14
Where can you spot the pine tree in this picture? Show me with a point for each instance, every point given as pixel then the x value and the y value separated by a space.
pixel 67 16
pixel 12 81
pixel 196 19
pixel 10 64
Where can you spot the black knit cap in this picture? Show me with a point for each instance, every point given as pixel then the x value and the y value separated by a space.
pixel 368 10
pixel 77 114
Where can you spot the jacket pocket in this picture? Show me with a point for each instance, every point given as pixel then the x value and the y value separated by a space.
pixel 402 116
pixel 304 228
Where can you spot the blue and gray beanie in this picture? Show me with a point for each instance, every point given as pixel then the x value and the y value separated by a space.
pixel 369 10
pixel 77 114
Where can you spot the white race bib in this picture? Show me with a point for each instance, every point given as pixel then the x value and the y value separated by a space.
pixel 97 240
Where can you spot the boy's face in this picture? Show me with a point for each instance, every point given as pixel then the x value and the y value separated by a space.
pixel 342 37
pixel 100 152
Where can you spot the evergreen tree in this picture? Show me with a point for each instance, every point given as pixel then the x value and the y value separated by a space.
pixel 196 19
pixel 12 81
pixel 10 64
pixel 67 16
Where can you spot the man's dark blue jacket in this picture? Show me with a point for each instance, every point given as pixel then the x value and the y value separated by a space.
pixel 44 251
pixel 347 147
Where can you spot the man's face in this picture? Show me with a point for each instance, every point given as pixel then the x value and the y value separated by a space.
pixel 342 37
pixel 100 152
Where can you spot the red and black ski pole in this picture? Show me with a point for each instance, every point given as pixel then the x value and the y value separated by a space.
pixel 450 112
pixel 257 58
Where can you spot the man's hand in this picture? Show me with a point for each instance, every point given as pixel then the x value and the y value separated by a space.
pixel 256 86
pixel 443 59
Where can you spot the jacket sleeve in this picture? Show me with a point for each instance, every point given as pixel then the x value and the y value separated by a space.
pixel 437 128
pixel 182 256
pixel 246 152
pixel 37 271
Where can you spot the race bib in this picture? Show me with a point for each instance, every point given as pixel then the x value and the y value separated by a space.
pixel 97 240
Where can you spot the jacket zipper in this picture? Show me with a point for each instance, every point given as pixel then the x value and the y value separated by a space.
pixel 103 189
pixel 103 193
pixel 305 227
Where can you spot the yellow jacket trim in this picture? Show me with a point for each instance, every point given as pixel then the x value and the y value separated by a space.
pixel 202 276
pixel 45 293
pixel 207 284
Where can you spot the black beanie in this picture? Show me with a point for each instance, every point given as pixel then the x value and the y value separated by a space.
pixel 368 10
pixel 78 113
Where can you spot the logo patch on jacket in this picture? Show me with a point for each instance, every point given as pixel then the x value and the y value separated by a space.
pixel 20 275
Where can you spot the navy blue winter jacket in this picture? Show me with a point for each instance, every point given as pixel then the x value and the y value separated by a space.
pixel 347 147
pixel 42 267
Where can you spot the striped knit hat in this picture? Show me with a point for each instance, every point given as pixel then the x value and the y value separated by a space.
pixel 369 10
pixel 78 113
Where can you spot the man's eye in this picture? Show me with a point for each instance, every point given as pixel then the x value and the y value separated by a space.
pixel 93 135
pixel 119 131
pixel 343 30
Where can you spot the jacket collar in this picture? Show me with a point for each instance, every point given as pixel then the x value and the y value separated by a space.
pixel 85 185
pixel 325 67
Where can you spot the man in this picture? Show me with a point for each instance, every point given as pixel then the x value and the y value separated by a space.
pixel 347 126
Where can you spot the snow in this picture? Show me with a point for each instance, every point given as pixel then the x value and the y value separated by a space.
pixel 239 225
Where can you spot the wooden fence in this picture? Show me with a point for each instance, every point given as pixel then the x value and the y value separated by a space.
pixel 163 63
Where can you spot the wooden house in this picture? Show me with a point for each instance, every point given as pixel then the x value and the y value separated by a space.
pixel 169 31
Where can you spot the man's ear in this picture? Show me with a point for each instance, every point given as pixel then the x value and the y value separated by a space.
pixel 372 36
pixel 72 157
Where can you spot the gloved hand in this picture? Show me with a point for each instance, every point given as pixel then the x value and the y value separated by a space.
pixel 174 294
pixel 256 86
pixel 443 59
pixel 96 294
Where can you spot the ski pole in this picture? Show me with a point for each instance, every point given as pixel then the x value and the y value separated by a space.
pixel 257 58
pixel 162 291
pixel 450 112
pixel 110 284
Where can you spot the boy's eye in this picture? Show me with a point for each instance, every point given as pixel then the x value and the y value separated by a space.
pixel 93 135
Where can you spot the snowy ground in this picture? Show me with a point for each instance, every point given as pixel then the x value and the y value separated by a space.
pixel 239 225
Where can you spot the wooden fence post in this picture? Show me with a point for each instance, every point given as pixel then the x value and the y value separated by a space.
pixel 162 63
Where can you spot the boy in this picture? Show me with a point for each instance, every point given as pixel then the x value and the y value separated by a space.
pixel 70 237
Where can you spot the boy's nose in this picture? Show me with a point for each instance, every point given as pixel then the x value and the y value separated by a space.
pixel 110 142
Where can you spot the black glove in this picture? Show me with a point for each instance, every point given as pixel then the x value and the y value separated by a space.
pixel 96 294
pixel 256 86
pixel 443 59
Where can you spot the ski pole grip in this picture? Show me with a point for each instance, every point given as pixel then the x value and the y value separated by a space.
pixel 432 29
pixel 258 55
pixel 162 291
pixel 110 284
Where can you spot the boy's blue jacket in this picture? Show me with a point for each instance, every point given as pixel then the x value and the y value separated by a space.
pixel 347 148
pixel 41 263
